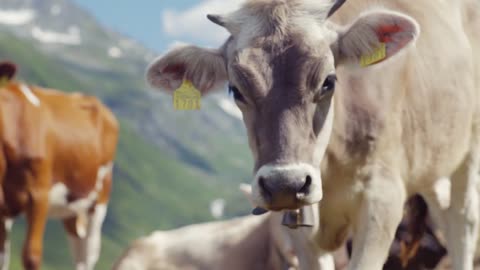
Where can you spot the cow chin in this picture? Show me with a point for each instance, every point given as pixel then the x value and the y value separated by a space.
pixel 287 186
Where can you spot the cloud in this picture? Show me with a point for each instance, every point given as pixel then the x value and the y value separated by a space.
pixel 176 43
pixel 192 25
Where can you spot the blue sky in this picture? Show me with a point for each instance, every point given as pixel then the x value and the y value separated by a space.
pixel 159 24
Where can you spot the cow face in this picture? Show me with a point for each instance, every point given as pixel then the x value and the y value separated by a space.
pixel 279 64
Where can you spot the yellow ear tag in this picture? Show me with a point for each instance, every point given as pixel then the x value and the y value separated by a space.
pixel 187 97
pixel 378 55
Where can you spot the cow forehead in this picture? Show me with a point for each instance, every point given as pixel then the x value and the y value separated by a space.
pixel 291 67
pixel 269 16
pixel 277 19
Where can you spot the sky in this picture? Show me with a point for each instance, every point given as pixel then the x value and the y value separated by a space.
pixel 160 24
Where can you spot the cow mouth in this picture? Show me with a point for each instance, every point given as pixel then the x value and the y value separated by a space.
pixel 293 219
pixel 258 211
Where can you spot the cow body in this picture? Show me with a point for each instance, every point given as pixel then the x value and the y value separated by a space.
pixel 249 242
pixel 242 243
pixel 356 111
pixel 404 133
pixel 56 160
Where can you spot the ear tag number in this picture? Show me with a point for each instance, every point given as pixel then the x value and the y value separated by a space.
pixel 378 55
pixel 187 97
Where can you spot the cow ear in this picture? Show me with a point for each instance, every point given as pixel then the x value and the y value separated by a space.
pixel 205 68
pixel 374 38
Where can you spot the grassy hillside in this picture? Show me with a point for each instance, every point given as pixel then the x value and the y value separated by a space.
pixel 155 187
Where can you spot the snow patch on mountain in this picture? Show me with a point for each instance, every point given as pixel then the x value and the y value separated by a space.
pixel 217 208
pixel 16 17
pixel 115 52
pixel 72 37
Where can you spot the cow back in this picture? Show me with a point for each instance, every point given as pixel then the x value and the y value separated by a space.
pixel 23 128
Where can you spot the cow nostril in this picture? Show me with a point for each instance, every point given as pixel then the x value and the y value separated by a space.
pixel 263 187
pixel 306 187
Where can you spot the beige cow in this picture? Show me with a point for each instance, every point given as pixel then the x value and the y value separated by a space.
pixel 357 110
pixel 251 242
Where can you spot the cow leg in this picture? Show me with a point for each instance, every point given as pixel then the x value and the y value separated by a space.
pixel 4 230
pixel 462 217
pixel 307 252
pixel 86 248
pixel 5 243
pixel 326 261
pixel 38 179
pixel 454 206
pixel 36 215
pixel 438 201
pixel 380 213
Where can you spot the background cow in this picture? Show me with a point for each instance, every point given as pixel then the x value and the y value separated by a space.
pixel 249 242
pixel 352 98
pixel 197 246
pixel 56 160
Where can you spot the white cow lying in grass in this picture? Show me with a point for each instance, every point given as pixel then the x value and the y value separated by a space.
pixel 251 242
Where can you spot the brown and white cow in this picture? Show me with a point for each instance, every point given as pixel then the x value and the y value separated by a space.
pixel 322 127
pixel 56 160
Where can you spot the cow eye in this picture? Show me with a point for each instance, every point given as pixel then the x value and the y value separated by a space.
pixel 235 93
pixel 329 84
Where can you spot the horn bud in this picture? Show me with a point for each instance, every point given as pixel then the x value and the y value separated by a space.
pixel 217 19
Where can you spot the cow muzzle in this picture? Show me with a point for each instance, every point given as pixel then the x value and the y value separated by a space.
pixel 287 187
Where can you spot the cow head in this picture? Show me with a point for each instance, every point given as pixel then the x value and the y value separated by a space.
pixel 7 72
pixel 279 64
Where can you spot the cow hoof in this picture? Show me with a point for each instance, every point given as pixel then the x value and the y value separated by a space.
pixel 31 262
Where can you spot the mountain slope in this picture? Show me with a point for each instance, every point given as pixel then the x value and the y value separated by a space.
pixel 170 165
